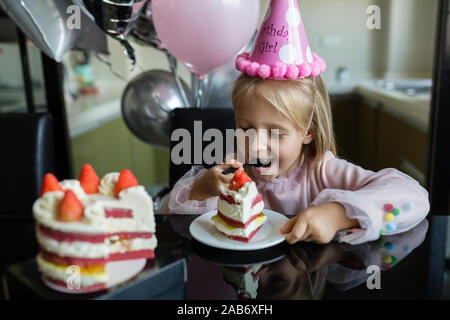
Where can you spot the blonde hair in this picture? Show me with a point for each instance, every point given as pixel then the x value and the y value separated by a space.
pixel 314 291
pixel 294 99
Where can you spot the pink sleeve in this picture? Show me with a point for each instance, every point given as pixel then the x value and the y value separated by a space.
pixel 179 196
pixel 366 196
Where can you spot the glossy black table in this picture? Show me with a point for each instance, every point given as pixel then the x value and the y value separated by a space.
pixel 410 265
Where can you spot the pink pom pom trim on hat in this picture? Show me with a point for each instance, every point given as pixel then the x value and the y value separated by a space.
pixel 252 69
pixel 264 71
pixel 280 70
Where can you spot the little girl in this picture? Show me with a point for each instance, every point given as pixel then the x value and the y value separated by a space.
pixel 329 198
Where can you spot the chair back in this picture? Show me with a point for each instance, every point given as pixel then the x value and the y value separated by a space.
pixel 196 122
pixel 26 144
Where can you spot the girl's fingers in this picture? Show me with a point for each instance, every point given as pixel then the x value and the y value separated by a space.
pixel 226 178
pixel 230 157
pixel 298 232
pixel 288 225
pixel 235 163
pixel 230 164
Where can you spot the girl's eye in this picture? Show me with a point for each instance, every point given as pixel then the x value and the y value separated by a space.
pixel 277 135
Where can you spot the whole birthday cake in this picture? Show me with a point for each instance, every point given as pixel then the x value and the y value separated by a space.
pixel 91 221
pixel 239 208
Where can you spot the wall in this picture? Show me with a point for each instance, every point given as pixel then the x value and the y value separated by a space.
pixel 412 37
pixel 403 47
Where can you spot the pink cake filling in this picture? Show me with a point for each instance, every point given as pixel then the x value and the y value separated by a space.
pixel 118 213
pixel 235 223
pixel 92 238
pixel 86 262
pixel 231 200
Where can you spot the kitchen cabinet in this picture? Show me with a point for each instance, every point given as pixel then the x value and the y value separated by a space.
pixel 342 108
pixel 401 145
pixel 355 125
pixel 366 133
pixel 111 147
pixel 370 135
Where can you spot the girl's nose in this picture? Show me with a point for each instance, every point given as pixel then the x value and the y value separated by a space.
pixel 258 144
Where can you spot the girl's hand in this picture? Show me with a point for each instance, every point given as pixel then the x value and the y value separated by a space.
pixel 318 224
pixel 208 185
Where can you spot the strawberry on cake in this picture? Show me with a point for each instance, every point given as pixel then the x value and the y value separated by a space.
pixel 239 209
pixel 89 222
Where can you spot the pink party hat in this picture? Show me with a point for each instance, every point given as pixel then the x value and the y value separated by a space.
pixel 281 49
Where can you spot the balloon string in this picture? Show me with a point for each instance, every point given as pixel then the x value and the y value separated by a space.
pixel 128 49
pixel 130 53
pixel 173 68
pixel 109 64
pixel 198 87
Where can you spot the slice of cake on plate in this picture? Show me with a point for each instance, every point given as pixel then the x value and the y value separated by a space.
pixel 239 209
pixel 89 222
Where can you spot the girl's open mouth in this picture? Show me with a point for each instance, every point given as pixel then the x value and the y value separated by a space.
pixel 265 167
pixel 266 164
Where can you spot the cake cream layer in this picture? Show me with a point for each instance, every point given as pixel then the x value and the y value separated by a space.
pixel 235 223
pixel 243 207
pixel 85 249
pixel 229 230
pixel 89 276
pixel 133 211
pixel 238 212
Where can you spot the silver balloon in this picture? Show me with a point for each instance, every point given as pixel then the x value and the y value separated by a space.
pixel 45 23
pixel 115 17
pixel 147 102
pixel 144 30
pixel 219 86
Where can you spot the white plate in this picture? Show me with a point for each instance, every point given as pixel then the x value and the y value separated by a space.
pixel 118 272
pixel 203 230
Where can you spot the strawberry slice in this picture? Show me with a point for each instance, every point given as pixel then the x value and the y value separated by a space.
pixel 240 178
pixel 49 184
pixel 70 209
pixel 89 180
pixel 126 180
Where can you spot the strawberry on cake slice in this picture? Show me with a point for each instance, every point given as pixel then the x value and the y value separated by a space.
pixel 239 209
pixel 89 222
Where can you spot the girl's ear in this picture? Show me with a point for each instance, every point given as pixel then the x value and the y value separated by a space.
pixel 308 138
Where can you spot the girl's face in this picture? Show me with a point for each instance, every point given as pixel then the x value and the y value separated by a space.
pixel 269 137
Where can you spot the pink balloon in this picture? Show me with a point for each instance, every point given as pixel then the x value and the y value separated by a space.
pixel 205 34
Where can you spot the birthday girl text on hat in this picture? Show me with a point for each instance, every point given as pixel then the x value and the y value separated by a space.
pixel 271 30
